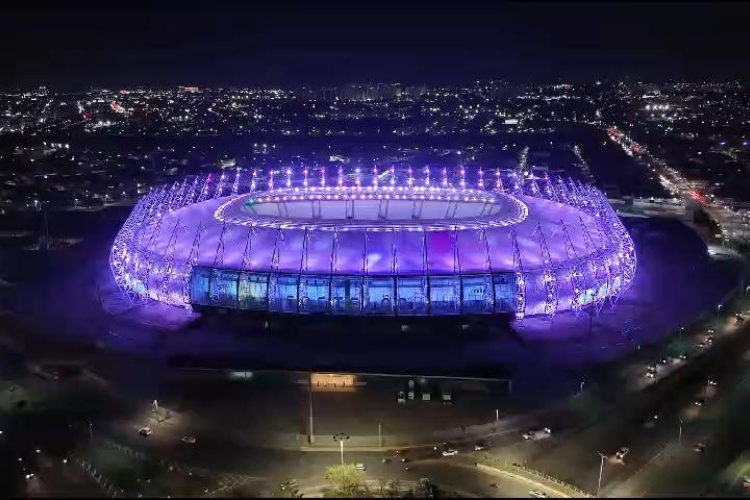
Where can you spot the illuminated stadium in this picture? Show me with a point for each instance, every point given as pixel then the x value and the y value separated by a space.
pixel 375 243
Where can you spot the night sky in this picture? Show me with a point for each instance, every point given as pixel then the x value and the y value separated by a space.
pixel 280 43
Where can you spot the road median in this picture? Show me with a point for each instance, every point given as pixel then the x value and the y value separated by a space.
pixel 538 479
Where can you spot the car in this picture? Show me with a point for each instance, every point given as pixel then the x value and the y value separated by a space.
pixel 663 361
pixel 404 460
pixel 699 448
pixel 711 331
pixel 622 452
pixel 698 402
pixel 386 460
pixel 188 439
pixel 481 446
pixel 710 340
pixel 450 452
pixel 684 356
pixel 441 447
pixel 712 382
pixel 700 345
pixel 538 494
pixel 493 485
pixel 360 467
pixel 652 367
pixel 145 431
pixel 650 374
pixel 537 434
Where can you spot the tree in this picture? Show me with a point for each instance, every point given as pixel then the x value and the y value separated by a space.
pixel 425 489
pixel 394 489
pixel 346 480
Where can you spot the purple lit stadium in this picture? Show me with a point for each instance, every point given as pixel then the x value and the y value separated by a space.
pixel 375 243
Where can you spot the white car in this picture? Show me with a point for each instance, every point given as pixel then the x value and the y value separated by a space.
pixel 188 439
pixel 712 383
pixel 538 494
pixel 537 434
pixel 622 452
pixel 450 452
pixel 145 431
pixel 480 446
pixel 360 467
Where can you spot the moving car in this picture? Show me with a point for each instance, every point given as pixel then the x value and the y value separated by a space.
pixel 698 402
pixel 145 431
pixel 450 452
pixel 710 340
pixel 538 494
pixel 712 382
pixel 701 345
pixel 188 439
pixel 537 434
pixel 622 452
pixel 700 447
pixel 360 467
pixel 481 446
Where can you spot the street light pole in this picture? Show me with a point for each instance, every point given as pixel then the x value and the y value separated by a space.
pixel 91 432
pixel 341 437
pixel 582 384
pixel 601 470
pixel 309 395
pixel 380 434
pixel 679 436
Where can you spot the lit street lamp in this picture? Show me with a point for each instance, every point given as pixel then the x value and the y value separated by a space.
pixel 341 437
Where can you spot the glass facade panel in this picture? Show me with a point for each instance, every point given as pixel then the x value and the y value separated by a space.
pixel 313 293
pixel 412 296
pixel 253 292
pixel 378 295
pixel 223 289
pixel 477 294
pixel 345 294
pixel 199 286
pixel 444 295
pixel 505 292
pixel 282 293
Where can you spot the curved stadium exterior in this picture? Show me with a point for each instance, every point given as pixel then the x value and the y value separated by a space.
pixel 376 244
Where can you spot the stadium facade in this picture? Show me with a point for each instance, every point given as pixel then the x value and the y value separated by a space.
pixel 375 243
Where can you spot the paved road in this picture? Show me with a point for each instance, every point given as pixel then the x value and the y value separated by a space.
pixel 575 458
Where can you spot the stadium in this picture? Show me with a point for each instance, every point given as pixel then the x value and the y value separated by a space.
pixel 375 244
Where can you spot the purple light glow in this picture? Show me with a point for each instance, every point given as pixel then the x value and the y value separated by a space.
pixel 561 242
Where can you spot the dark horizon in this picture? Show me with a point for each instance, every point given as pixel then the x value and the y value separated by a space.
pixel 288 45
